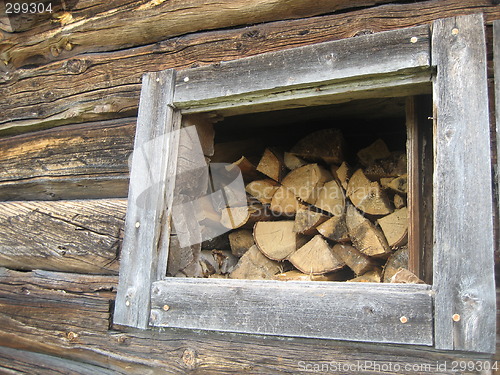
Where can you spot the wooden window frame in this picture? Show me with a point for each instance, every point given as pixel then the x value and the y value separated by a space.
pixel 456 312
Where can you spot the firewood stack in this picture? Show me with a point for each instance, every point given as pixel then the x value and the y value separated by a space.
pixel 314 217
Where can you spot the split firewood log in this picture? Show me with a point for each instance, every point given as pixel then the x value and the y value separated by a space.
pixel 240 241
pixel 316 257
pixel 331 198
pixel 395 227
pixel 334 229
pixel 272 164
pixel 373 276
pixel 368 239
pixel 305 182
pixel 218 242
pixel 263 190
pixel 367 195
pixel 355 259
pixel 365 236
pixel 248 170
pixel 323 145
pixel 376 151
pixel 255 265
pixel 217 262
pixel 284 202
pixel 343 173
pixel 306 221
pixel 399 184
pixel 397 260
pixel 295 275
pixel 276 239
pixel 406 277
pixel 393 166
pixel 292 161
pixel 399 201
pixel 237 217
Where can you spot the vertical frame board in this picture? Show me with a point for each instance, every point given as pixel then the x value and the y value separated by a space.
pixel 419 146
pixel 147 199
pixel 496 61
pixel 463 232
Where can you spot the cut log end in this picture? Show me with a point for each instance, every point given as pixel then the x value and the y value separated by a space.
pixel 316 258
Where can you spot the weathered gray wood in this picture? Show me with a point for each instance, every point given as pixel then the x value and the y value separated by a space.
pixel 71 236
pixel 14 361
pixel 147 204
pixel 325 69
pixel 496 60
pixel 319 309
pixel 56 304
pixel 166 350
pixel 463 230
pixel 69 162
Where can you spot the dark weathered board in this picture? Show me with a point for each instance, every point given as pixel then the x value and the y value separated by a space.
pixel 81 161
pixel 22 298
pixel 149 23
pixel 183 351
pixel 419 200
pixel 317 309
pixel 96 93
pixel 463 231
pixel 14 361
pixel 496 58
pixel 72 236
pixel 308 73
pixel 146 211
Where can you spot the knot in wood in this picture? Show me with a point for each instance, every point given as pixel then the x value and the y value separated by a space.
pixel 72 336
pixel 75 66
pixel 189 358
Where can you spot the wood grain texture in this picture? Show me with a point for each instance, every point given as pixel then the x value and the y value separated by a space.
pixel 70 236
pixel 297 73
pixel 151 22
pixel 81 161
pixel 14 361
pixel 29 302
pixel 107 85
pixel 147 199
pixel 462 209
pixel 176 351
pixel 318 309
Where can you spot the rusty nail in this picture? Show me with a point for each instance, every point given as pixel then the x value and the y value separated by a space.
pixel 166 307
pixel 456 317
pixel 403 319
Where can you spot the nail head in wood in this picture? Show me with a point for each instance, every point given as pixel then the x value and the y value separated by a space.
pixel 454 31
pixel 166 307
pixel 403 319
pixel 456 317
pixel 137 225
pixel 72 336
pixel 127 303
pixel 414 39
pixel 186 79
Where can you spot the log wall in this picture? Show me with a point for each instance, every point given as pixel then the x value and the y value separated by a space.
pixel 69 89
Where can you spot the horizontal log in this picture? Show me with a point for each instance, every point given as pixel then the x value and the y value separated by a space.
pixel 44 306
pixel 138 352
pixel 152 22
pixel 89 161
pixel 71 236
pixel 96 93
pixel 13 361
